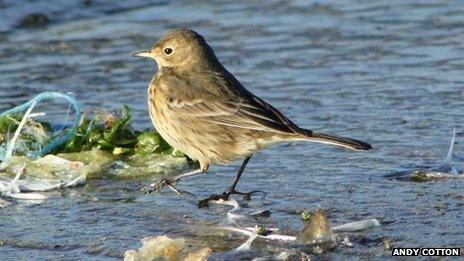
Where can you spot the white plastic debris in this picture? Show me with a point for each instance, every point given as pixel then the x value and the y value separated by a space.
pixel 47 173
pixel 11 144
pixel 346 241
pixel 270 236
pixel 12 189
pixel 357 225
pixel 445 165
pixel 247 245
pixel 317 231
pixel 28 196
pixel 233 215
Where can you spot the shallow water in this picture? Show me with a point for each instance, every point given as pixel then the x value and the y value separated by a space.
pixel 388 72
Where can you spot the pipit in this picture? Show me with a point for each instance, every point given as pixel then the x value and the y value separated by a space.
pixel 201 109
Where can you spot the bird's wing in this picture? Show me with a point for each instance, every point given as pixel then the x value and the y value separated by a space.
pixel 226 113
pixel 244 110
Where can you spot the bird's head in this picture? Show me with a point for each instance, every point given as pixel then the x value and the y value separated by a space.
pixel 180 49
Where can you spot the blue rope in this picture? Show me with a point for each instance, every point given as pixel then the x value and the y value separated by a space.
pixel 59 140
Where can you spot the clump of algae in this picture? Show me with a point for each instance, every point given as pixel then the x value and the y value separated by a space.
pixel 105 145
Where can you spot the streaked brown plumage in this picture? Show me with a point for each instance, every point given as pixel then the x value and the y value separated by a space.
pixel 201 109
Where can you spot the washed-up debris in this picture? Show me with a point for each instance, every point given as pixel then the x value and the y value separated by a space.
pixel 250 231
pixel 317 230
pixel 424 176
pixel 99 130
pixel 72 169
pixel 317 236
pixel 357 225
pixel 443 170
pixel 11 144
pixel 140 165
pixel 199 255
pixel 165 248
pixel 157 247
pixel 247 245
pixel 241 252
pixel 47 173
pixel 445 165
pixel 108 165
pixel 4 203
pixel 386 243
pixel 36 143
pixel 234 215
pixel 261 230
pixel 317 233
pixel 113 133
pixel 346 241
pixel 11 189
pixel 306 216
pixel 102 145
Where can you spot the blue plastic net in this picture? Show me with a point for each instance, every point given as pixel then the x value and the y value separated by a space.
pixel 58 139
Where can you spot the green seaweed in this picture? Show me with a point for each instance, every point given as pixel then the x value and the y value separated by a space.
pixel 261 230
pixel 104 146
pixel 306 216
pixel 115 134
pixel 9 123
pixel 104 131
pixel 149 142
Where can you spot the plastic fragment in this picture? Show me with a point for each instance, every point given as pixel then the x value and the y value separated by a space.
pixel 11 144
pixel 247 245
pixel 357 225
pixel 445 165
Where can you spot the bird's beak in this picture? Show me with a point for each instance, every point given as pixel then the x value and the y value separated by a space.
pixel 144 53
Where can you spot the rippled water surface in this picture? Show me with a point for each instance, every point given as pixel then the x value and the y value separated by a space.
pixel 388 72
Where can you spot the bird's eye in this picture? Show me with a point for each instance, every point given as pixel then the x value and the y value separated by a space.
pixel 168 51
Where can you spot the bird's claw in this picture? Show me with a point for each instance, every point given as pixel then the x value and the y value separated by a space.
pixel 179 191
pixel 246 195
pixel 158 186
pixel 225 196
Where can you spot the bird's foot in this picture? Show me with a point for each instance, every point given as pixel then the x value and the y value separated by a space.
pixel 246 195
pixel 225 196
pixel 158 186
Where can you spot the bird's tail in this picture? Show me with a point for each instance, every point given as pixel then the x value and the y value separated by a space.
pixel 335 140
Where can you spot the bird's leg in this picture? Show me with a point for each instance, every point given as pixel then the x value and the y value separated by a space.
pixel 157 186
pixel 231 190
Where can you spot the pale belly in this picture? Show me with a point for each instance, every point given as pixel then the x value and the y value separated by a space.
pixel 208 142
